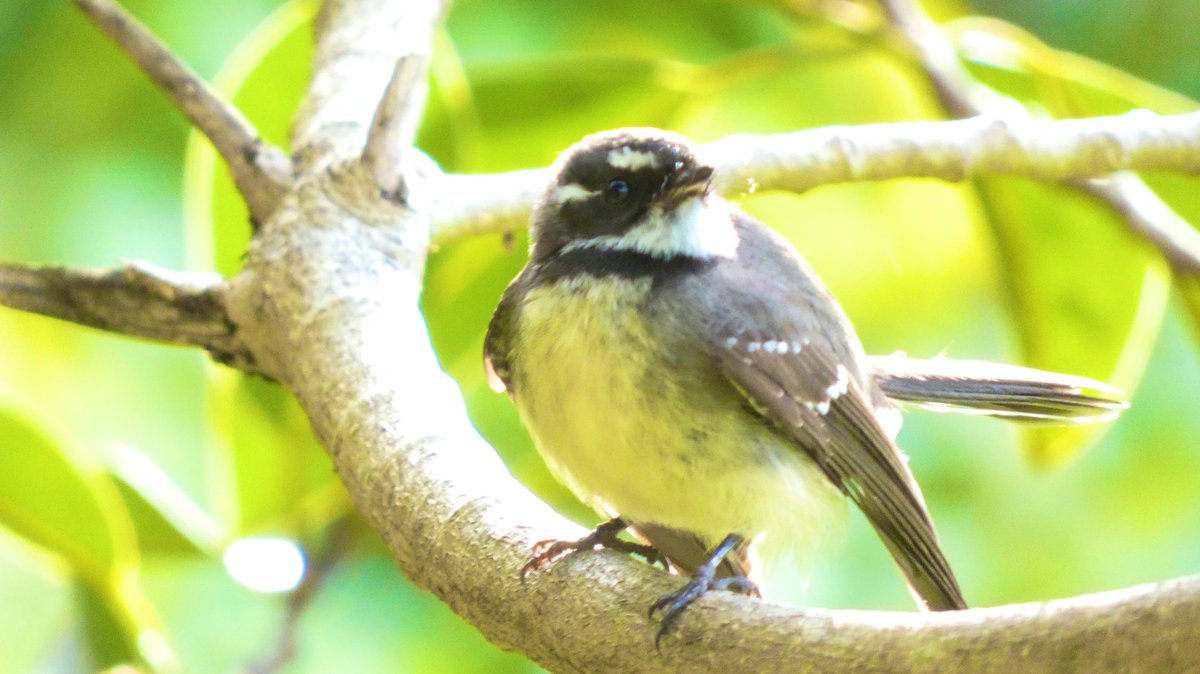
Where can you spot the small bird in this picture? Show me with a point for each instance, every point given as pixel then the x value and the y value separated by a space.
pixel 683 371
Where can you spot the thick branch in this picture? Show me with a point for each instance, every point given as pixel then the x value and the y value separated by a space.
pixel 260 170
pixel 138 300
pixel 1051 150
pixel 1146 215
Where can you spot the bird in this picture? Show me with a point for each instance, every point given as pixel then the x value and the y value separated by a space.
pixel 684 371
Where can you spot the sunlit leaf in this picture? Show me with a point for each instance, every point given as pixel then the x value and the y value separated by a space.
pixel 56 497
pixel 166 519
pixel 270 459
pixel 1020 65
pixel 110 640
pixel 265 77
pixel 1085 297
pixel 678 30
pixel 1062 84
pixel 1179 192
pixel 120 627
pixel 576 96
pixel 50 495
pixel 275 458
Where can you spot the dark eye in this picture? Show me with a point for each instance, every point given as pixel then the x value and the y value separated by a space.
pixel 618 190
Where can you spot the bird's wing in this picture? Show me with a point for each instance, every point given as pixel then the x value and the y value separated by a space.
pixel 796 382
pixel 497 347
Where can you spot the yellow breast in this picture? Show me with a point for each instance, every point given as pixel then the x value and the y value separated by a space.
pixel 637 426
pixel 581 354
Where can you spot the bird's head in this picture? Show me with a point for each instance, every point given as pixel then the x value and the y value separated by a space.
pixel 639 189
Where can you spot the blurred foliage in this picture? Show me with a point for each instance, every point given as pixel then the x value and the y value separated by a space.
pixel 125 468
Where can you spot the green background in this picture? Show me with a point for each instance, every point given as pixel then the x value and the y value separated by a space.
pixel 126 467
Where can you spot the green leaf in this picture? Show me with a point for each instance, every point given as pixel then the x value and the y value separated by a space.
pixel 269 458
pixel 1020 65
pixel 52 496
pixel 166 519
pixel 576 95
pixel 120 626
pixel 677 30
pixel 1179 192
pixel 1189 291
pixel 265 78
pixel 276 462
pixel 1085 298
pixel 1107 325
pixel 57 498
pixel 109 639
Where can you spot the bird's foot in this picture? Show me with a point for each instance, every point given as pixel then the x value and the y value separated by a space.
pixel 604 536
pixel 703 580
pixel 673 605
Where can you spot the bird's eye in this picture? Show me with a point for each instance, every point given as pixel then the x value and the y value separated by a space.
pixel 618 190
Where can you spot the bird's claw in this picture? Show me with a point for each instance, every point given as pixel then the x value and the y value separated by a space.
pixel 549 551
pixel 673 605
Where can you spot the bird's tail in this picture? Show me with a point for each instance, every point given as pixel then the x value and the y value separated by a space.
pixel 994 389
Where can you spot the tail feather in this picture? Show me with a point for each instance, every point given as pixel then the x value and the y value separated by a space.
pixel 1010 391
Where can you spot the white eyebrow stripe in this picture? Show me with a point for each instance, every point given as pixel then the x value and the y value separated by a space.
pixel 572 192
pixel 631 160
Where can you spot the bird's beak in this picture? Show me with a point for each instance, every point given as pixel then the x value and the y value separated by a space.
pixel 691 180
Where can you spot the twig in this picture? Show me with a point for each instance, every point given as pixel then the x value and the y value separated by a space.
pixel 138 300
pixel 358 48
pixel 1144 212
pixel 1052 150
pixel 394 126
pixel 959 93
pixel 334 545
pixel 467 205
pixel 259 169
pixel 953 150
pixel 1149 217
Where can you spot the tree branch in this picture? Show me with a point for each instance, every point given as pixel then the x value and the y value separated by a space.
pixel 394 126
pixel 953 150
pixel 468 205
pixel 959 94
pixel 260 170
pixel 1146 215
pixel 328 303
pixel 139 300
pixel 333 545
pixel 1149 217
pixel 358 357
pixel 1050 150
pixel 358 48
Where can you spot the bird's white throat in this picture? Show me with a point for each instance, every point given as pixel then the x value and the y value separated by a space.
pixel 701 227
